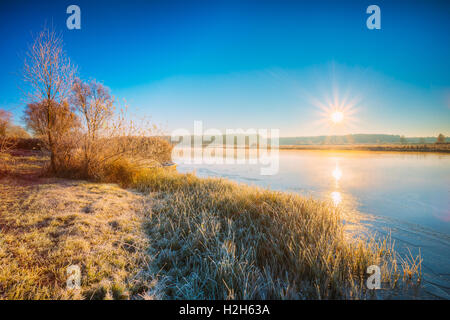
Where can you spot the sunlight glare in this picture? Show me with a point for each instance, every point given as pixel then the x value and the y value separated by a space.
pixel 337 116
pixel 337 173
pixel 337 112
pixel 336 197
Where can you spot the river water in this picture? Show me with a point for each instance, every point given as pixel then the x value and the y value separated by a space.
pixel 404 195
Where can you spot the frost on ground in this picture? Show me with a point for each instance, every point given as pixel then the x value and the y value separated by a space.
pixel 46 225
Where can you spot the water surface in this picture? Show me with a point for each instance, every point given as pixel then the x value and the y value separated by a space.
pixel 402 194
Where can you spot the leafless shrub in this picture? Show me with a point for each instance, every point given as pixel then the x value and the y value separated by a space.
pixel 6 143
pixel 56 126
pixel 95 106
pixel 130 156
pixel 5 118
pixel 112 147
pixel 16 132
pixel 126 148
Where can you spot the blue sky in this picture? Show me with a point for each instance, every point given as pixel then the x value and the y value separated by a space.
pixel 251 64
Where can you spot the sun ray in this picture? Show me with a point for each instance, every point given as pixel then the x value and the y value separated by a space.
pixel 337 111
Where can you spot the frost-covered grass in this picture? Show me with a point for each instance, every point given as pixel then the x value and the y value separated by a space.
pixel 177 236
pixel 214 239
pixel 46 225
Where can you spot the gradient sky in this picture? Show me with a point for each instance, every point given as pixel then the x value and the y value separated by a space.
pixel 251 64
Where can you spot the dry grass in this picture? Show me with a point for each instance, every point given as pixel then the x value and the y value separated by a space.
pixel 179 237
pixel 214 239
pixel 115 159
pixel 47 225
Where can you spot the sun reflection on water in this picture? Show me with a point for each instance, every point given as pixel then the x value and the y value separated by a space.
pixel 337 173
pixel 336 197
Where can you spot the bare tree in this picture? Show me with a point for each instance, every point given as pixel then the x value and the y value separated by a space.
pixel 50 74
pixel 94 103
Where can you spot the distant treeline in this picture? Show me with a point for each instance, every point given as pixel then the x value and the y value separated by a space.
pixel 374 139
pixel 412 147
pixel 357 139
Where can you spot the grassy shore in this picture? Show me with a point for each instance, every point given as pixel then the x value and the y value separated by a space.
pixel 48 224
pixel 176 236
pixel 435 147
pixel 214 239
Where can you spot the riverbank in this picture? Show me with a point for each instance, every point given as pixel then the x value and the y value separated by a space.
pixel 49 224
pixel 177 236
pixel 215 239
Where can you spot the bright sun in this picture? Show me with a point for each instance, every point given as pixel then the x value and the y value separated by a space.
pixel 337 116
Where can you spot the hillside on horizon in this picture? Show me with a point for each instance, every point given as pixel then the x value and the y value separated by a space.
pixel 241 139
pixel 356 139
